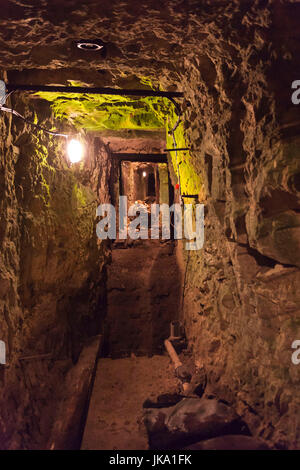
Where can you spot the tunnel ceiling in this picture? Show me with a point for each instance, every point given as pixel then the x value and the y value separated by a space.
pixel 153 38
pixel 42 36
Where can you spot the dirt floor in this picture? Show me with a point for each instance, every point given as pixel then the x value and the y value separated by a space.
pixel 121 386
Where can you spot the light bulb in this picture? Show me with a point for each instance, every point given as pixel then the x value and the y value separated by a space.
pixel 144 174
pixel 75 151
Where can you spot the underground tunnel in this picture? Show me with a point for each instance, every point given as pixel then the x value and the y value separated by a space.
pixel 150 225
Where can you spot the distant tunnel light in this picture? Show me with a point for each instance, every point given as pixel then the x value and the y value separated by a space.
pixel 75 151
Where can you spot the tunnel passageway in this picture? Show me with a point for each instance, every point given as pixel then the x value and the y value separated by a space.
pixel 143 297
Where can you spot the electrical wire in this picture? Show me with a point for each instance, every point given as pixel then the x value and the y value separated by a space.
pixel 176 105
pixel 177 165
pixel 37 126
pixel 172 132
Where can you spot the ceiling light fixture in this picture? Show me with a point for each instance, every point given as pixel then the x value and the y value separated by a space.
pixel 90 45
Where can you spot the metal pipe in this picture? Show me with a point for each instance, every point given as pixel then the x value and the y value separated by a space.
pixel 174 150
pixel 172 353
pixel 174 330
pixel 92 90
pixel 177 164
pixel 176 361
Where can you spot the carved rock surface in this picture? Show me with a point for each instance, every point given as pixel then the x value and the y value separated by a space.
pixel 189 421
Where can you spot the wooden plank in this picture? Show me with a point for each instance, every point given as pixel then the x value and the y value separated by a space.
pixel 72 411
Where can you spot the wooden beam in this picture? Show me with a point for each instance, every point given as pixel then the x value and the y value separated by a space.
pixel 92 90
pixel 141 157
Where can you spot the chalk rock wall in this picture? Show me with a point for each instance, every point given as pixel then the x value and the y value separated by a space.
pixel 52 267
pixel 242 306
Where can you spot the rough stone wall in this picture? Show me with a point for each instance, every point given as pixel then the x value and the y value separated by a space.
pixel 235 62
pixel 242 307
pixel 52 279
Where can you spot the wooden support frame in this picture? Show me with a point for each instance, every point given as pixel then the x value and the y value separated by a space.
pixel 141 157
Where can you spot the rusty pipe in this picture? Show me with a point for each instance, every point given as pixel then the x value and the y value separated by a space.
pixel 176 361
pixel 172 353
